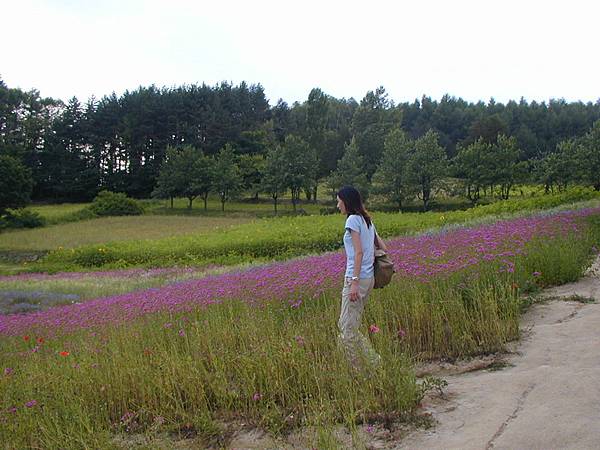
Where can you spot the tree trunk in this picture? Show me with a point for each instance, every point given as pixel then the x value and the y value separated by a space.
pixel 205 198
pixel 191 199
pixel 295 196
pixel 275 203
pixel 171 202
pixel 315 194
pixel 426 193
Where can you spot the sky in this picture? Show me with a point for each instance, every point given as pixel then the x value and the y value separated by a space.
pixel 476 50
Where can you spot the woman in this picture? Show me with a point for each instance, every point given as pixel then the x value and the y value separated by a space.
pixel 360 241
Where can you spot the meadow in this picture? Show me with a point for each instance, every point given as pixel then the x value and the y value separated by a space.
pixel 259 240
pixel 258 345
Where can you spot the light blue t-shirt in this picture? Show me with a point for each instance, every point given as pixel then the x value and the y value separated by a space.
pixel 357 223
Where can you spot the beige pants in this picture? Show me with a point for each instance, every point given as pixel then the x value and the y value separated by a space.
pixel 351 340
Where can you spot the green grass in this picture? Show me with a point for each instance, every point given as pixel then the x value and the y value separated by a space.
pixel 56 213
pixel 113 229
pixel 272 367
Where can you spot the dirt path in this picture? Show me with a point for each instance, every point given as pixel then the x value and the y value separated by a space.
pixel 547 398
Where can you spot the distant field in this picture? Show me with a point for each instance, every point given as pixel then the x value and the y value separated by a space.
pixel 54 213
pixel 112 229
pixel 262 207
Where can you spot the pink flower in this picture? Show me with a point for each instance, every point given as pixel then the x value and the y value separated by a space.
pixel 299 340
pixel 181 333
pixel 373 328
pixel 401 333
pixel 8 371
pixel 31 403
pixel 257 396
pixel 536 274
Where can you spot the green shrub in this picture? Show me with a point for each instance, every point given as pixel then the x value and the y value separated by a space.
pixel 109 203
pixel 21 218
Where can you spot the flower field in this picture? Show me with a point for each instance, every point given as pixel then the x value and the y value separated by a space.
pixel 259 345
pixel 78 247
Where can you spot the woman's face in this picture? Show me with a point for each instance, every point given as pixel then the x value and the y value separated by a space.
pixel 341 206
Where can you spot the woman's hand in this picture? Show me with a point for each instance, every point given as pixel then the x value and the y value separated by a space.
pixel 354 293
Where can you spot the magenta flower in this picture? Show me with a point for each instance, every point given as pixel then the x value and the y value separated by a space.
pixel 299 340
pixel 257 396
pixel 373 328
pixel 401 333
pixel 536 274
pixel 181 333
pixel 31 403
pixel 8 371
pixel 420 258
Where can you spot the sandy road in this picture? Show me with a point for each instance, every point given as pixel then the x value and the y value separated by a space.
pixel 548 397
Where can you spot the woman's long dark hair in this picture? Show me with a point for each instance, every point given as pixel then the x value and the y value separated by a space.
pixel 353 203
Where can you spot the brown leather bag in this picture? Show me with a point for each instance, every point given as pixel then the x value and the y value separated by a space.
pixel 384 267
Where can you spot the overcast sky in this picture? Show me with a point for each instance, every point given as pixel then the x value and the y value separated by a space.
pixel 471 49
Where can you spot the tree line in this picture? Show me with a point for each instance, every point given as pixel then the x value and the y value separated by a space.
pixel 126 143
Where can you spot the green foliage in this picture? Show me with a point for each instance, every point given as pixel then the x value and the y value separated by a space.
pixel 350 171
pixel 472 164
pixel 558 169
pixel 588 156
pixel 484 165
pixel 371 123
pixel 300 166
pixel 109 203
pixel 120 142
pixel 426 166
pixel 274 182
pixel 252 169
pixel 227 180
pixel 186 172
pixel 21 218
pixel 507 168
pixel 16 184
pixel 390 179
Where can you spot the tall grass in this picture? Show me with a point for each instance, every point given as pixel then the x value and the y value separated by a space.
pixel 273 364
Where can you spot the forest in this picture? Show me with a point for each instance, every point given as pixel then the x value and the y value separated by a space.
pixel 190 140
